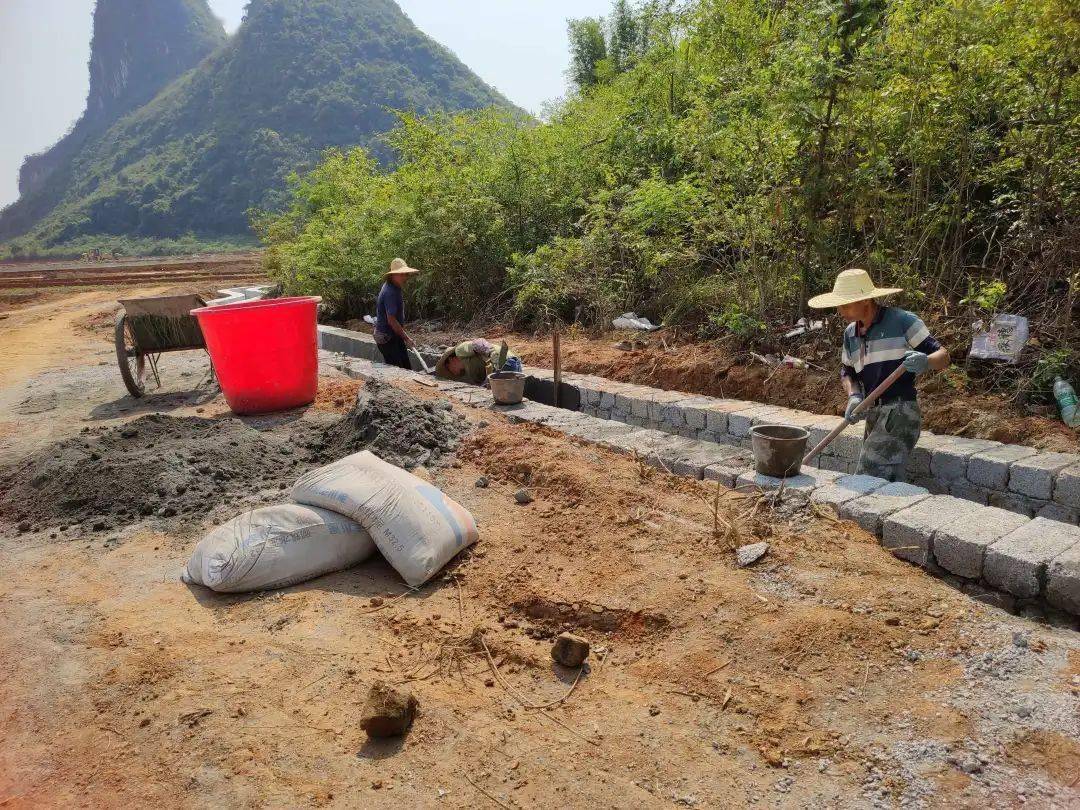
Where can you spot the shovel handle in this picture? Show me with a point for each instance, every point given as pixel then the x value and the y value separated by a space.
pixel 867 403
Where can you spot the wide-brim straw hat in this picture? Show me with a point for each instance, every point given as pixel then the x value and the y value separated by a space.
pixel 851 286
pixel 398 267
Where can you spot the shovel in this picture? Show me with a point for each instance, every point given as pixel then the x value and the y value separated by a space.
pixel 420 357
pixel 864 405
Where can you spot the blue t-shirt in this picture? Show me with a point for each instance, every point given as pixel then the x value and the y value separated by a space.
pixel 870 357
pixel 390 303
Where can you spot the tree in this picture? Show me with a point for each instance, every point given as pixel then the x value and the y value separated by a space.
pixel 587 50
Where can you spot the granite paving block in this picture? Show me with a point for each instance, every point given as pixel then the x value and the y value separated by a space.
pixel 846 488
pixel 847 445
pixel 931 484
pixel 694 411
pixel 1017 562
pixel 1062 514
pixel 803 482
pixel 909 533
pixel 950 462
pixel 1067 487
pixel 667 455
pixel 1063 580
pixel 671 415
pixel 870 510
pixel 716 414
pixel 1036 475
pixel 959 545
pixel 990 468
pixel 640 407
pixel 659 400
pixel 786 416
pixel 969 492
pixel 1021 504
pixel 922 454
pixel 726 470
pixel 740 422
pixel 836 464
pixel 822 427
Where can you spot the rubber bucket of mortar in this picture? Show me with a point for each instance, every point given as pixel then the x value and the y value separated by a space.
pixel 508 387
pixel 265 353
pixel 778 449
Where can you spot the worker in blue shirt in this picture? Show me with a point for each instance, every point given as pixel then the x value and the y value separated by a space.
pixel 390 335
pixel 878 340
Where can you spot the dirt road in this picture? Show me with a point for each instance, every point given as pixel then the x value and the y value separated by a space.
pixel 830 674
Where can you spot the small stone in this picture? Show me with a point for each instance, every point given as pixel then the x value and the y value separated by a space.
pixel 748 555
pixel 376 601
pixel 482 482
pixel 570 650
pixel 388 711
pixel 489 682
pixel 653 711
pixel 24 526
pixel 1021 639
pixel 523 496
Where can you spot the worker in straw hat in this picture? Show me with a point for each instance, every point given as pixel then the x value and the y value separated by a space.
pixel 878 340
pixel 390 336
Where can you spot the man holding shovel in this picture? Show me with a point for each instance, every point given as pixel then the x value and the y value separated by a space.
pixel 878 340
pixel 390 336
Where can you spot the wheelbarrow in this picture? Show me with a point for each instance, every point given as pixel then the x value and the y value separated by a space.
pixel 150 327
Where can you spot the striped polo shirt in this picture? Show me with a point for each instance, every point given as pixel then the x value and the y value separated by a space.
pixel 871 356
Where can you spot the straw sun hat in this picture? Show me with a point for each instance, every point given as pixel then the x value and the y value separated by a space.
pixel 851 286
pixel 398 267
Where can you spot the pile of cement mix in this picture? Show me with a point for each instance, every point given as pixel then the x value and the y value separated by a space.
pixel 397 427
pixel 191 468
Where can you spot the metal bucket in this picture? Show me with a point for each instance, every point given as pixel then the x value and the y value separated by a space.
pixel 508 387
pixel 778 449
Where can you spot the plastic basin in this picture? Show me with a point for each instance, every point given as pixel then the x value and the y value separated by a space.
pixel 265 353
pixel 778 449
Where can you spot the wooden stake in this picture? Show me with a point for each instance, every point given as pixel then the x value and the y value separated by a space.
pixel 557 363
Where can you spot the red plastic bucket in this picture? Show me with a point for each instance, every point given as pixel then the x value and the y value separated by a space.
pixel 265 353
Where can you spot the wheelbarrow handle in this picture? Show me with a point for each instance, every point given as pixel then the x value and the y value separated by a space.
pixel 867 403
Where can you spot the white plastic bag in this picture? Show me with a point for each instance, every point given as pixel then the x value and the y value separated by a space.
pixel 631 320
pixel 416 527
pixel 276 546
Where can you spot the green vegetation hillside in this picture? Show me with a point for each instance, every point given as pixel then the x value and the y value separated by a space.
pixel 137 49
pixel 298 77
pixel 717 165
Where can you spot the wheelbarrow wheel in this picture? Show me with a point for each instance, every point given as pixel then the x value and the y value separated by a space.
pixel 133 363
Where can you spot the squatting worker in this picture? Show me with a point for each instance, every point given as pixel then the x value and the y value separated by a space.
pixel 472 360
pixel 878 339
pixel 390 336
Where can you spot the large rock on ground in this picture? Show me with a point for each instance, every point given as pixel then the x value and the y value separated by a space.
pixel 388 711
pixel 570 650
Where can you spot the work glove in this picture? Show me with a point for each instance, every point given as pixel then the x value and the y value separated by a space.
pixel 853 402
pixel 915 362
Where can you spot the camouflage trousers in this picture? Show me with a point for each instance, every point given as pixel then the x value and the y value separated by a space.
pixel 891 432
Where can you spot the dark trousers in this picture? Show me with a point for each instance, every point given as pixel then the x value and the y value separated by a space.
pixel 395 352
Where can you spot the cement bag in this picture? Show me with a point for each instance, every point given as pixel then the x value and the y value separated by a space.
pixel 416 527
pixel 276 546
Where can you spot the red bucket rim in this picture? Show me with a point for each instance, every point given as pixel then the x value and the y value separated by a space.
pixel 256 304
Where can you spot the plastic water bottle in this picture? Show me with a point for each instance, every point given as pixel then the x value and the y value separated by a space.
pixel 1067 403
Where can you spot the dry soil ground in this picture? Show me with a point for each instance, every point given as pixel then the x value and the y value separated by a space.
pixel 829 674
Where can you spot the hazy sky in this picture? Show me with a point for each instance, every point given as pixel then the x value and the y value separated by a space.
pixel 518 46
